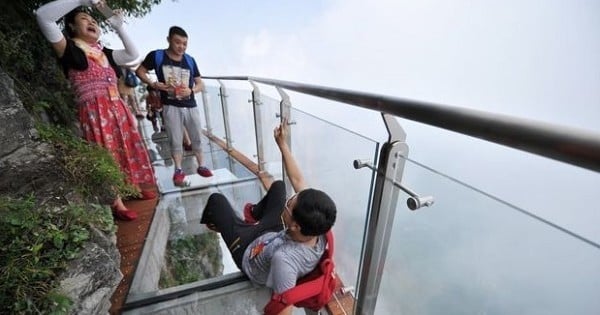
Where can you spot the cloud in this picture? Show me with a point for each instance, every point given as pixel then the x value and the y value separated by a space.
pixel 257 45
pixel 534 60
pixel 523 59
pixel 270 54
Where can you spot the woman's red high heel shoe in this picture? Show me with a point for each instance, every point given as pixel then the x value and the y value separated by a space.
pixel 147 195
pixel 123 214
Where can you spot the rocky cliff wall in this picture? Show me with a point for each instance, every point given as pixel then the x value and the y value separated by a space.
pixel 29 166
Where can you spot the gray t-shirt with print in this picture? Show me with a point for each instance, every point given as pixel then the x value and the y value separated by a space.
pixel 277 261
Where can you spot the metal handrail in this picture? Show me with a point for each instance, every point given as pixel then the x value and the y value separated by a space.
pixel 570 145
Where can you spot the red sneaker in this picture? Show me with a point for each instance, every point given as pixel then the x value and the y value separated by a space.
pixel 204 172
pixel 179 178
pixel 248 217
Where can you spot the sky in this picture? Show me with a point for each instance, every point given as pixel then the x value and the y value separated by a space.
pixel 536 59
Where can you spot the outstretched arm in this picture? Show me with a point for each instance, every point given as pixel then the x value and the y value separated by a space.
pixel 49 13
pixel 130 53
pixel 291 167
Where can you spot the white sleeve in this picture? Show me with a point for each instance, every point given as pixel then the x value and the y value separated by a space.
pixel 130 53
pixel 49 13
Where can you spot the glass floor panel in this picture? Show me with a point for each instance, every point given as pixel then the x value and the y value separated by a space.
pixel 179 252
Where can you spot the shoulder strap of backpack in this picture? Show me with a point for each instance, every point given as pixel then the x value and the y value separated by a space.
pixel 303 290
pixel 159 56
pixel 190 62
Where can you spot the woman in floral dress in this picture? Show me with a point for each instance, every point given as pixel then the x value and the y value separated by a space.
pixel 104 117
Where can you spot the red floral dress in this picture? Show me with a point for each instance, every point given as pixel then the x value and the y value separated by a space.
pixel 105 118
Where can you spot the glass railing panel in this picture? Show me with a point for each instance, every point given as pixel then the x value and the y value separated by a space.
pixel 241 122
pixel 213 97
pixel 473 254
pixel 200 102
pixel 325 154
pixel 145 127
pixel 270 120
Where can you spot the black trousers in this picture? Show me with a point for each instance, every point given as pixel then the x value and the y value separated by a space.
pixel 238 234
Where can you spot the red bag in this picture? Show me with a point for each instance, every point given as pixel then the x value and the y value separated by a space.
pixel 312 291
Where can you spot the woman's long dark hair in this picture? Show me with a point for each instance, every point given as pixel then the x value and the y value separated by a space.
pixel 70 19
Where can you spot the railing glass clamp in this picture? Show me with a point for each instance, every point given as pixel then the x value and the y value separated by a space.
pixel 414 202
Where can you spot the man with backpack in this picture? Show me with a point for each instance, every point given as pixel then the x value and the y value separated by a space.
pixel 178 81
pixel 280 241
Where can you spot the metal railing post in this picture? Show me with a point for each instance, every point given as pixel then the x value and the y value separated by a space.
pixel 380 217
pixel 258 126
pixel 206 112
pixel 285 106
pixel 225 108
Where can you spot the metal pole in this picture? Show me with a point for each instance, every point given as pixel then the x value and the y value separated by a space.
pixel 381 217
pixel 206 112
pixel 225 108
pixel 285 106
pixel 258 127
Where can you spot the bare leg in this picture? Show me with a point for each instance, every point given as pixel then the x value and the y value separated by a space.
pixel 198 155
pixel 177 157
pixel 118 204
pixel 187 142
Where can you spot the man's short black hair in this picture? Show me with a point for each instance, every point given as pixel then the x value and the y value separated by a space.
pixel 314 212
pixel 176 30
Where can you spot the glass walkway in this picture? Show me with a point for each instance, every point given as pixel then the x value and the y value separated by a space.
pixel 455 249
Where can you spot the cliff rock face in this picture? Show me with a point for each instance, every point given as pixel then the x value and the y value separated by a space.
pixel 28 166
pixel 21 159
pixel 16 126
pixel 91 279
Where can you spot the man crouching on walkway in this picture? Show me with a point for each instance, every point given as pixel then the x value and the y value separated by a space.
pixel 279 240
